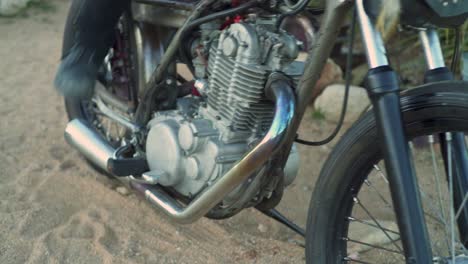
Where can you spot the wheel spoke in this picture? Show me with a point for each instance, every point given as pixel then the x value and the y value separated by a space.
pixel 438 187
pixel 436 175
pixel 377 168
pixel 448 228
pixel 356 200
pixel 460 209
pixel 369 183
pixel 372 246
pixel 364 222
pixel 448 138
pixel 438 218
pixel 348 259
pixel 111 130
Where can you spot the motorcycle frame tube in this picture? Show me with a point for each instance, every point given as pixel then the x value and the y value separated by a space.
pixel 143 110
pixel 281 92
pixel 435 60
pixel 333 19
pixel 383 89
pixel 169 3
pixel 318 54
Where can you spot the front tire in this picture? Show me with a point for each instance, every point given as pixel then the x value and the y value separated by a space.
pixel 428 110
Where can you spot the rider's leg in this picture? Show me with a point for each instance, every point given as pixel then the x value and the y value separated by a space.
pixel 89 33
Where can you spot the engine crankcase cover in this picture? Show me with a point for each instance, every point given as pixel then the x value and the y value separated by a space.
pixel 189 152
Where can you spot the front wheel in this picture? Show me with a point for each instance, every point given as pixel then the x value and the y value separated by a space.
pixel 351 217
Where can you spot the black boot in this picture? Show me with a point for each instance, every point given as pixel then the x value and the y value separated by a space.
pixel 89 33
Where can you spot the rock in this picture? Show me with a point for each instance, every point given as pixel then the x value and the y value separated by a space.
pixel 122 190
pixel 262 228
pixel 359 73
pixel 331 101
pixel 250 254
pixel 331 74
pixel 12 7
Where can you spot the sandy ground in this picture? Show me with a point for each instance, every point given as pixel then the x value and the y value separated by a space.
pixel 55 209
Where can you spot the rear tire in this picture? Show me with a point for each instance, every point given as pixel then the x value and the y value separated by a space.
pixel 426 110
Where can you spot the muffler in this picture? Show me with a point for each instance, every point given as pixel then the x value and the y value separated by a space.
pixel 83 137
pixel 96 149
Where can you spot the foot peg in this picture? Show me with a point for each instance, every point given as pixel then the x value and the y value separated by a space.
pixel 123 164
pixel 124 167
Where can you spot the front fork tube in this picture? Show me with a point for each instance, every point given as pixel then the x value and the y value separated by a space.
pixel 383 89
pixel 437 71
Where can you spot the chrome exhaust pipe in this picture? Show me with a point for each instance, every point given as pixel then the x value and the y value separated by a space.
pixel 83 137
pixel 281 92
pixel 80 135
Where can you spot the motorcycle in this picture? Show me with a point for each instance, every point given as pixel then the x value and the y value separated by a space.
pixel 223 137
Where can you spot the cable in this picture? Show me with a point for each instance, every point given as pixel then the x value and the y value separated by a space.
pixel 300 6
pixel 349 60
pixel 292 5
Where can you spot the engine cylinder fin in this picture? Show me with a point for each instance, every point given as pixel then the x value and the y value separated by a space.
pixel 237 93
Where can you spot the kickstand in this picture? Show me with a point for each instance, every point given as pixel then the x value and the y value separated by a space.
pixel 274 214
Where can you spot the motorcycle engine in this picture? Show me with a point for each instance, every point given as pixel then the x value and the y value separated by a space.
pixel 198 142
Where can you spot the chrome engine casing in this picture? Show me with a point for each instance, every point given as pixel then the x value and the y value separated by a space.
pixel 188 148
pixel 205 136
